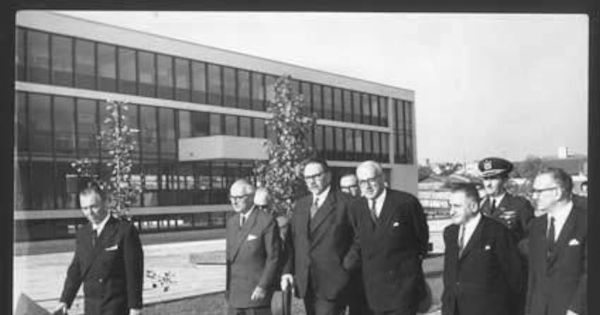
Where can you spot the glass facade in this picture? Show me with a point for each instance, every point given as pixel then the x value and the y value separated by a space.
pixel 52 130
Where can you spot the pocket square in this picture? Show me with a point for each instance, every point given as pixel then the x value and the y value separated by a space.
pixel 251 237
pixel 115 247
pixel 487 247
pixel 396 224
pixel 573 242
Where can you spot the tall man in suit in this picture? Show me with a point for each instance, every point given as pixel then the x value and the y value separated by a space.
pixel 557 249
pixel 482 267
pixel 108 260
pixel 253 251
pixel 392 239
pixel 321 236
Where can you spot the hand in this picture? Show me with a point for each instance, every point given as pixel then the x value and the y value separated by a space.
pixel 569 312
pixel 286 280
pixel 258 294
pixel 60 309
pixel 134 311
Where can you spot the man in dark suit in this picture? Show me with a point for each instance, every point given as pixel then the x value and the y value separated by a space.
pixel 392 239
pixel 253 251
pixel 557 249
pixel 321 236
pixel 357 301
pixel 482 265
pixel 108 260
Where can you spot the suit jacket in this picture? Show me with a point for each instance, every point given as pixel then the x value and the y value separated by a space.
pixel 112 272
pixel 318 246
pixel 253 252
pixel 520 205
pixel 558 282
pixel 487 277
pixel 392 250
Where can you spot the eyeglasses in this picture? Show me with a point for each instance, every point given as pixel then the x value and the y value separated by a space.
pixel 370 181
pixel 238 198
pixel 314 177
pixel 351 186
pixel 539 191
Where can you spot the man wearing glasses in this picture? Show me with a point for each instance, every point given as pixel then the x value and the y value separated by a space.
pixel 253 251
pixel 349 185
pixel 392 241
pixel 321 236
pixel 557 248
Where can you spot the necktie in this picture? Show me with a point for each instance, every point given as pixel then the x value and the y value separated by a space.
pixel 94 238
pixel 461 240
pixel 551 236
pixel 493 208
pixel 314 208
pixel 242 220
pixel 373 210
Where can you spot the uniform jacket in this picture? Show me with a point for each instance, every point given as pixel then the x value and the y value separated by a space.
pixel 558 282
pixel 391 251
pixel 112 272
pixel 520 205
pixel 487 277
pixel 253 252
pixel 318 248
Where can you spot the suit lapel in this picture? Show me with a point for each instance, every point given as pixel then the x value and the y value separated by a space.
pixel 474 238
pixel 563 237
pixel 243 233
pixel 232 232
pixel 486 208
pixel 107 233
pixel 387 212
pixel 326 209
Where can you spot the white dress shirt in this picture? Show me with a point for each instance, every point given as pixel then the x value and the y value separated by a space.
pixel 560 216
pixel 378 202
pixel 98 228
pixel 469 229
pixel 321 197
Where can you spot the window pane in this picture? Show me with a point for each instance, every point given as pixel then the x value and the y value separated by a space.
pixel 347 106
pixel 149 132
pixel 305 90
pixel 200 124
pixel 245 128
pixel 85 64
pixel 198 82
pixel 375 110
pixel 62 60
pixel 400 125
pixel 349 134
pixel 214 85
pixel 64 199
pixel 215 124
pixel 231 127
pixel 270 87
pixel 385 147
pixel 327 102
pixel 167 133
pixel 258 91
pixel 366 109
pixel 356 108
pixel 64 126
pixel 383 111
pixel 295 84
pixel 87 128
pixel 358 144
pixel 339 144
pixel 329 145
pixel 337 104
pixel 38 57
pixel 132 120
pixel 243 89
pixel 165 76
pixel 185 127
pixel 107 67
pixel 41 126
pixel 316 98
pixel 127 70
pixel 22 186
pixel 182 79
pixel 42 188
pixel 259 128
pixel 377 145
pixel 229 88
pixel 319 141
pixel 22 124
pixel 20 54
pixel 368 148
pixel 147 74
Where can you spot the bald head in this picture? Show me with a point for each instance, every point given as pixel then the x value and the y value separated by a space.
pixel 261 197
pixel 370 179
pixel 241 195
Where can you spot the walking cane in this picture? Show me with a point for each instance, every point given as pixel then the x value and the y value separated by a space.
pixel 286 296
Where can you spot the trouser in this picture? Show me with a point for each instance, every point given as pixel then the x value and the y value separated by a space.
pixel 318 306
pixel 263 310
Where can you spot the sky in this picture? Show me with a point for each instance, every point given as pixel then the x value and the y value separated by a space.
pixel 509 85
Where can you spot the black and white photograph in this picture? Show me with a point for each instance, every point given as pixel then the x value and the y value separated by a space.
pixel 300 163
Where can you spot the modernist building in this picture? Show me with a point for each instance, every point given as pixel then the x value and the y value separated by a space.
pixel 201 115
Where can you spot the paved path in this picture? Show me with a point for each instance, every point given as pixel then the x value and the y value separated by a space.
pixel 42 276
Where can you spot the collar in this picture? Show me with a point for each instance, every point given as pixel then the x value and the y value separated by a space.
pixel 498 199
pixel 381 198
pixel 98 228
pixel 322 196
pixel 561 213
pixel 247 214
pixel 472 223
